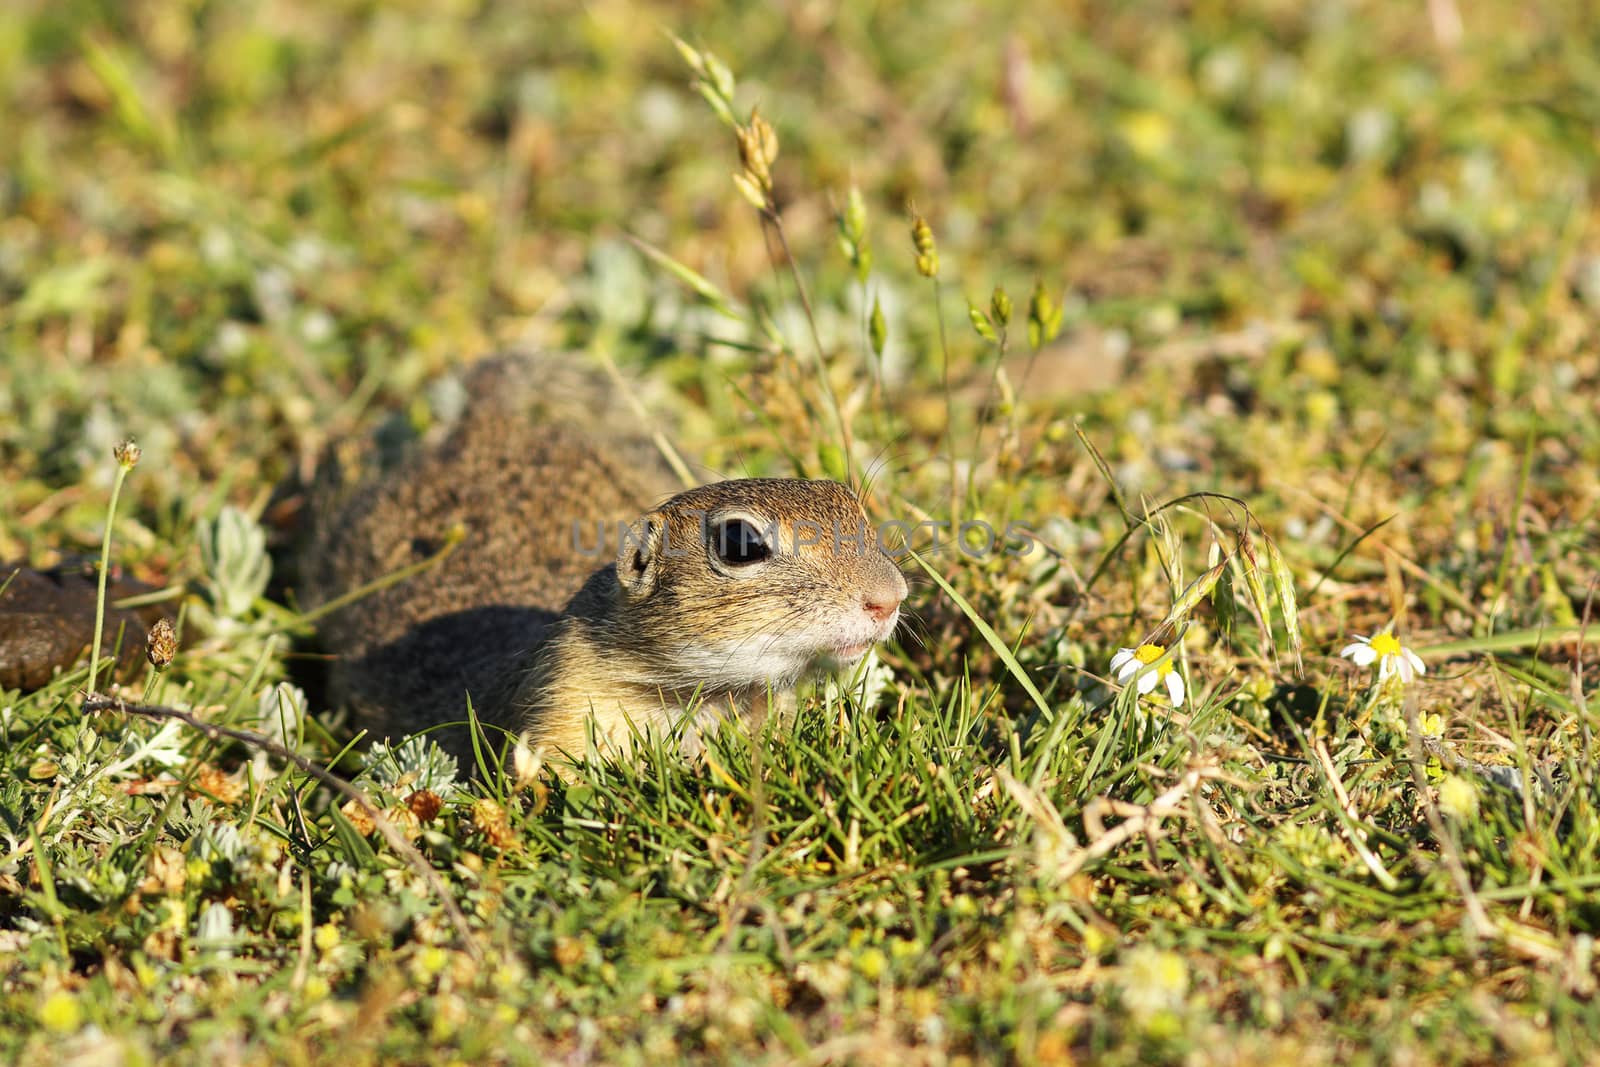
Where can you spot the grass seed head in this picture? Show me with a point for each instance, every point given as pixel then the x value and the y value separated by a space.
pixel 161 644
pixel 1044 316
pixel 758 148
pixel 927 251
pixel 1000 307
pixel 127 453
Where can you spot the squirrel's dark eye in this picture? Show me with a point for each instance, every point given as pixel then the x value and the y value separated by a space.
pixel 737 542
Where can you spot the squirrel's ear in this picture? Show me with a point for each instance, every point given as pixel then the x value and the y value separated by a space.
pixel 639 561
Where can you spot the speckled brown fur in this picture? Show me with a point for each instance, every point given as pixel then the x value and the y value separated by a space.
pixel 515 474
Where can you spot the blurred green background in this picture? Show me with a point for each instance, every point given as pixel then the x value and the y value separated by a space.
pixel 220 218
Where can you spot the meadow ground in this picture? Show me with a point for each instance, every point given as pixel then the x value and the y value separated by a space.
pixel 1273 324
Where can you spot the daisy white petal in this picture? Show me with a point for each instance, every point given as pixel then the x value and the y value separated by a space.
pixel 1175 688
pixel 1147 682
pixel 1120 663
pixel 1360 652
pixel 1415 661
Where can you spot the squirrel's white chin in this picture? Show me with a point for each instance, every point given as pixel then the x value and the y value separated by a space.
pixel 780 660
pixel 842 659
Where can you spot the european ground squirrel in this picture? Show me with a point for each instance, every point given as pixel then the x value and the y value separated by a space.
pixel 569 598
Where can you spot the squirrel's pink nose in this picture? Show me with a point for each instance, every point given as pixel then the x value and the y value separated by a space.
pixel 879 609
pixel 881 602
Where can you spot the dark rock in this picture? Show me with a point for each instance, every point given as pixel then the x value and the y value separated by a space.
pixel 47 622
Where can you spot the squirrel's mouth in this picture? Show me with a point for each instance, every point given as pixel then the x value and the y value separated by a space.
pixel 843 656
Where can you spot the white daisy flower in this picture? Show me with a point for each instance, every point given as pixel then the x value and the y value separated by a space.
pixel 1129 663
pixel 1388 653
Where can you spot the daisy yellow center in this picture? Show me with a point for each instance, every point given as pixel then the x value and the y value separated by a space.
pixel 1385 644
pixel 1148 654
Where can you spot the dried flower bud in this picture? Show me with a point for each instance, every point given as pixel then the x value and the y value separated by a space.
pixel 127 454
pixel 213 782
pixel 425 804
pixel 161 644
pixel 357 815
pixel 490 819
pixel 405 821
pixel 927 251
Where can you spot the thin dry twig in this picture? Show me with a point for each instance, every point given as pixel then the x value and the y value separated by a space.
pixel 98 702
pixel 1138 819
pixel 1356 837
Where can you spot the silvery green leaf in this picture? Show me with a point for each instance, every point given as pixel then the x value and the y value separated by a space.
pixel 233 549
pixel 415 763
pixel 214 930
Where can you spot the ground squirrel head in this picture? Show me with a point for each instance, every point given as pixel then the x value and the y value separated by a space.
pixel 754 581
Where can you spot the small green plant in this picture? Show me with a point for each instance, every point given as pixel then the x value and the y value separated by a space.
pixel 413 764
pixel 233 551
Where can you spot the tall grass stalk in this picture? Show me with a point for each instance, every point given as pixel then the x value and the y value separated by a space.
pixel 127 456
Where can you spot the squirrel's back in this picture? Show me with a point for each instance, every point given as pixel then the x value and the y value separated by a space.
pixel 521 489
